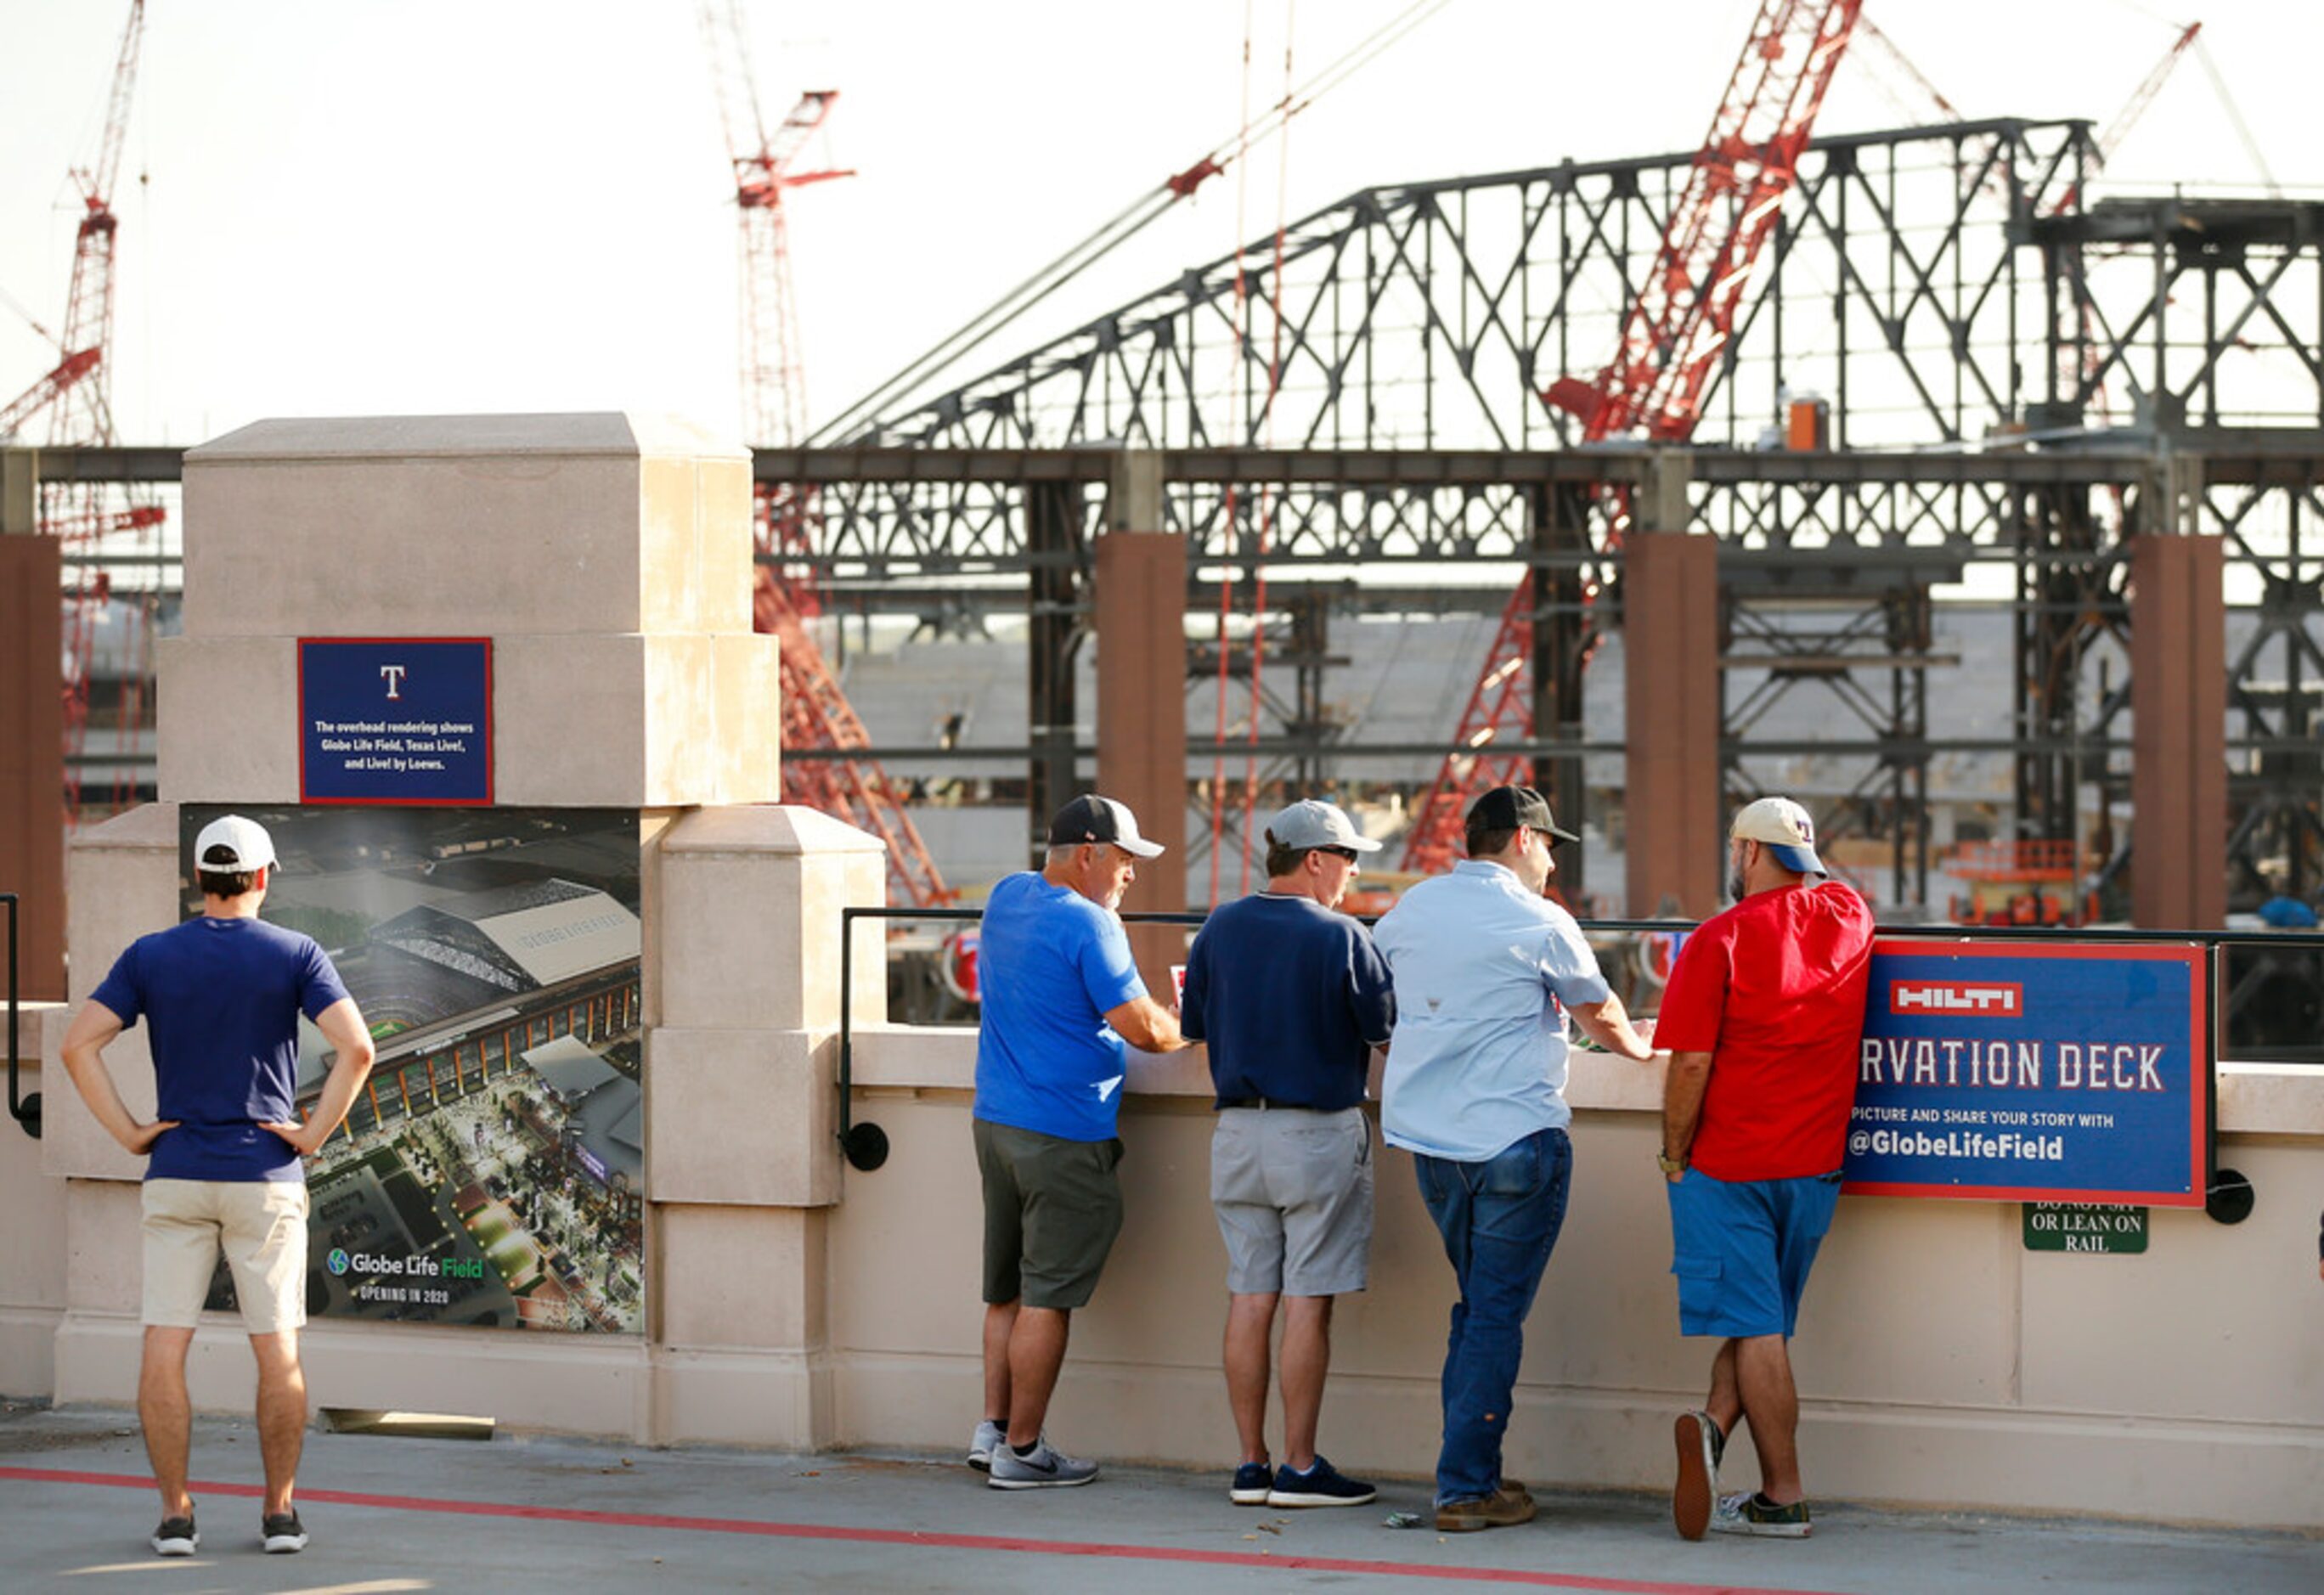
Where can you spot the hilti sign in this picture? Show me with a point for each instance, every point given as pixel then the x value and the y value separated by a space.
pixel 1970 999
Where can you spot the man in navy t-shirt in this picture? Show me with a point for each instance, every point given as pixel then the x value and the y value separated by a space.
pixel 1292 997
pixel 221 996
pixel 1060 996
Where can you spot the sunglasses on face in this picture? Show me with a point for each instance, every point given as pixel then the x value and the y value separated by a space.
pixel 1348 853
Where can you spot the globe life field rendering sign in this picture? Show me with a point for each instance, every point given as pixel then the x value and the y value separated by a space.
pixel 491 1171
pixel 2004 1071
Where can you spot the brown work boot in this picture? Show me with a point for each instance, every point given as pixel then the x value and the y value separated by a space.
pixel 1500 1509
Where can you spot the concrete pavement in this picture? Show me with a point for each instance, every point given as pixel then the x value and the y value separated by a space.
pixel 579 1517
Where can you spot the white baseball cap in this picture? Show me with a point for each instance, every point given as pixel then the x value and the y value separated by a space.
pixel 1313 823
pixel 1785 829
pixel 244 840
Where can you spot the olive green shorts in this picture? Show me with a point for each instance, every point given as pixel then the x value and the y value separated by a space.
pixel 1052 1208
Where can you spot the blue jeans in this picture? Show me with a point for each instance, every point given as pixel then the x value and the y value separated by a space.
pixel 1498 1217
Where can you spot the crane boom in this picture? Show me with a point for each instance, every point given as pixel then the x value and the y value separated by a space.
pixel 72 391
pixel 816 713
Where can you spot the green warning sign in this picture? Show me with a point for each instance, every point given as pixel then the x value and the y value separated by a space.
pixel 2072 1226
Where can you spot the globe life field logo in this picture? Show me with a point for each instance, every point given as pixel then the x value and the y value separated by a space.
pixel 337 1261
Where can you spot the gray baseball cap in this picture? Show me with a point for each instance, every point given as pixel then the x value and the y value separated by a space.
pixel 1312 823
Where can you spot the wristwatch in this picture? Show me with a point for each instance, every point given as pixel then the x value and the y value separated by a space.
pixel 1670 1164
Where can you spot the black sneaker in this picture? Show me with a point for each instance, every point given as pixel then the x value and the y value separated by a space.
pixel 1322 1485
pixel 177 1536
pixel 1252 1480
pixel 284 1534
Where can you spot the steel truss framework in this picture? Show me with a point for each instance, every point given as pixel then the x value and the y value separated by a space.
pixel 1947 292
pixel 1810 613
pixel 2016 379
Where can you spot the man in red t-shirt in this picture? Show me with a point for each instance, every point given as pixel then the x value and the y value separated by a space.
pixel 1763 1017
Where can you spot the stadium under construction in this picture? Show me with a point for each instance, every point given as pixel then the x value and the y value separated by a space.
pixel 1938 367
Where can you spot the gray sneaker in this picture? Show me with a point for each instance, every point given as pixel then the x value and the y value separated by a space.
pixel 1047 1469
pixel 989 1438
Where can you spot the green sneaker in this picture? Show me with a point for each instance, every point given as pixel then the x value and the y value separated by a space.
pixel 1700 1447
pixel 1757 1515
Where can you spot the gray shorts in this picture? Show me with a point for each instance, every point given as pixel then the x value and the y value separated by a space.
pixel 1293 1190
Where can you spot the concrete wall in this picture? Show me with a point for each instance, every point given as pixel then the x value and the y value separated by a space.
pixel 32 1232
pixel 794 1303
pixel 608 558
pixel 1941 1364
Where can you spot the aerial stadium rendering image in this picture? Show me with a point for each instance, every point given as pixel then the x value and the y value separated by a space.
pixel 489 1172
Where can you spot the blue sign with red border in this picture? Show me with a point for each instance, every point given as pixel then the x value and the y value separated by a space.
pixel 2011 1072
pixel 401 720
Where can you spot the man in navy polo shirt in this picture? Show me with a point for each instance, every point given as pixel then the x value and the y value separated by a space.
pixel 1292 997
pixel 221 995
pixel 1060 996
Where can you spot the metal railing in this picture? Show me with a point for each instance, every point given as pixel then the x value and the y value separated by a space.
pixel 24 1110
pixel 865 1145
pixel 2229 1196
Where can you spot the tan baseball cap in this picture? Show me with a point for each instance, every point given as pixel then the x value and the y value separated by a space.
pixel 1785 829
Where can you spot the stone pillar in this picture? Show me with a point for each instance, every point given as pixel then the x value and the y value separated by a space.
pixel 1669 665
pixel 743 1002
pixel 2179 699
pixel 1141 624
pixel 31 734
pixel 608 560
pixel 1141 724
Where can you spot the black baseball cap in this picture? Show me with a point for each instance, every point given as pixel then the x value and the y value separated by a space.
pixel 1515 808
pixel 1100 819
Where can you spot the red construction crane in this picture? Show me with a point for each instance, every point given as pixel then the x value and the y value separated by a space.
pixel 1672 339
pixel 815 712
pixel 2111 137
pixel 74 388
pixel 76 396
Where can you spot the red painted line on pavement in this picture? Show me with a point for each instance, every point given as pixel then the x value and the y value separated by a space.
pixel 905 1536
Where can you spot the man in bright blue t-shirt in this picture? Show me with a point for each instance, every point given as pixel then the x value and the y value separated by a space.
pixel 1060 996
pixel 221 996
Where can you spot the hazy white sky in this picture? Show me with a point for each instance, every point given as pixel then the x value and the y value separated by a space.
pixel 397 205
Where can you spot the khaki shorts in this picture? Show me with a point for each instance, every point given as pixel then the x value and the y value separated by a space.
pixel 1052 1209
pixel 260 1226
pixel 1293 1192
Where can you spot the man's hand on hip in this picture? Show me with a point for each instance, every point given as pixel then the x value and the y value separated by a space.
pixel 140 1137
pixel 308 1138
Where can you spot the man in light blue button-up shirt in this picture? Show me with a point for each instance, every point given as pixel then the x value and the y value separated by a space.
pixel 1488 972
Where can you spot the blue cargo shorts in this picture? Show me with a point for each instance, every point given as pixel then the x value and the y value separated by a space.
pixel 1742 1249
